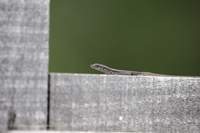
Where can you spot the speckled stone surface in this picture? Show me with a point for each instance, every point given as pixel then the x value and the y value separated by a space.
pixel 86 102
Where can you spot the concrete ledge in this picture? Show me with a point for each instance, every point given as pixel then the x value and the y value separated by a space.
pixel 86 102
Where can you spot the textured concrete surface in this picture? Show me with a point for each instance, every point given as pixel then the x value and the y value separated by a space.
pixel 24 33
pixel 15 131
pixel 86 102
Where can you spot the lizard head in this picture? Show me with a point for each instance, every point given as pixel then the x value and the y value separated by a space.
pixel 99 67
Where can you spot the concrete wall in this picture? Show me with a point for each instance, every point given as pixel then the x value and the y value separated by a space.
pixel 24 34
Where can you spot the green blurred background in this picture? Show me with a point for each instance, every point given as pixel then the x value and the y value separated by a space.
pixel 140 35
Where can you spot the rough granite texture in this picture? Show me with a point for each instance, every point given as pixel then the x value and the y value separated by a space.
pixel 24 33
pixel 86 102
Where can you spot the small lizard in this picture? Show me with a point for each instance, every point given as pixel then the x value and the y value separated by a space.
pixel 111 71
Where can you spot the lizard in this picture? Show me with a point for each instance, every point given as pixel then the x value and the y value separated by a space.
pixel 111 71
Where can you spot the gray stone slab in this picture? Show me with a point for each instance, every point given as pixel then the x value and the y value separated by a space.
pixel 114 103
pixel 24 27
